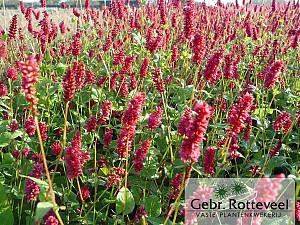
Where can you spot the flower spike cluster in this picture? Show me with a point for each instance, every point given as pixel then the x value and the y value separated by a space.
pixel 239 113
pixel 276 149
pixel 29 69
pixel 75 158
pixel 91 124
pixel 3 89
pixel 140 155
pixel 155 118
pixel 208 164
pixel 189 16
pixel 144 68
pixel 29 125
pixel 283 122
pixel 130 119
pixel 273 74
pixel 12 73
pixel 203 194
pixel 56 148
pixel 32 188
pixel 194 131
pixel 211 72
pixel 13 27
pixel 69 85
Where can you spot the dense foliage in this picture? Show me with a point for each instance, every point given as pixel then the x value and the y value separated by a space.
pixel 104 124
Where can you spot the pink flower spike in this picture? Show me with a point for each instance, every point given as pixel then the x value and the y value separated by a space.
pixel 29 126
pixel 190 148
pixel 56 148
pixel 12 73
pixel 283 122
pixel 273 74
pixel 209 158
pixel 140 155
pixel 30 69
pixel 75 158
pixel 155 118
pixel 91 124
pixel 32 188
pixel 3 89
pixel 85 193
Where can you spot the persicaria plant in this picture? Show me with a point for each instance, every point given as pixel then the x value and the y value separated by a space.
pixel 106 111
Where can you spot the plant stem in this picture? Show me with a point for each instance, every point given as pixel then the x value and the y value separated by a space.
pixel 64 140
pixel 125 185
pixel 88 212
pixel 46 170
pixel 185 176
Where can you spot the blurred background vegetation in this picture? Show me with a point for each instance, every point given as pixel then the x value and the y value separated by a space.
pixel 49 2
pixel 97 2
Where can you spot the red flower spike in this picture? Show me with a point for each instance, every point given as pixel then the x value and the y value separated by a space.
pixel 12 73
pixel 13 28
pixel 208 163
pixel 276 149
pixel 211 72
pixel 140 155
pixel 29 126
pixel 56 148
pixel 75 157
pixel 273 74
pixel 155 118
pixel 3 89
pixel 32 188
pixel 30 69
pixel 190 148
pixel 69 85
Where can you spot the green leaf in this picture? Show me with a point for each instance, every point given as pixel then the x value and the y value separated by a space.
pixel 72 199
pixel 152 205
pixel 6 214
pixel 277 161
pixel 156 58
pixel 2 178
pixel 60 65
pixel 4 37
pixel 136 192
pixel 185 55
pixel 129 201
pixel 43 184
pixel 104 170
pixel 6 137
pixel 53 89
pixel 276 221
pixel 149 169
pixel 137 38
pixel 41 209
pixel 218 125
pixel 96 93
pixel 8 158
pixel 187 91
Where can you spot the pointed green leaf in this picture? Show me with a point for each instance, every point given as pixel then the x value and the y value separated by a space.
pixel 6 137
pixel 120 201
pixel 152 205
pixel 43 184
pixel 6 214
pixel 41 209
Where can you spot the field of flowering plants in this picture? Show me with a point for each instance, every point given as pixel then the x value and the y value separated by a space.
pixel 105 113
